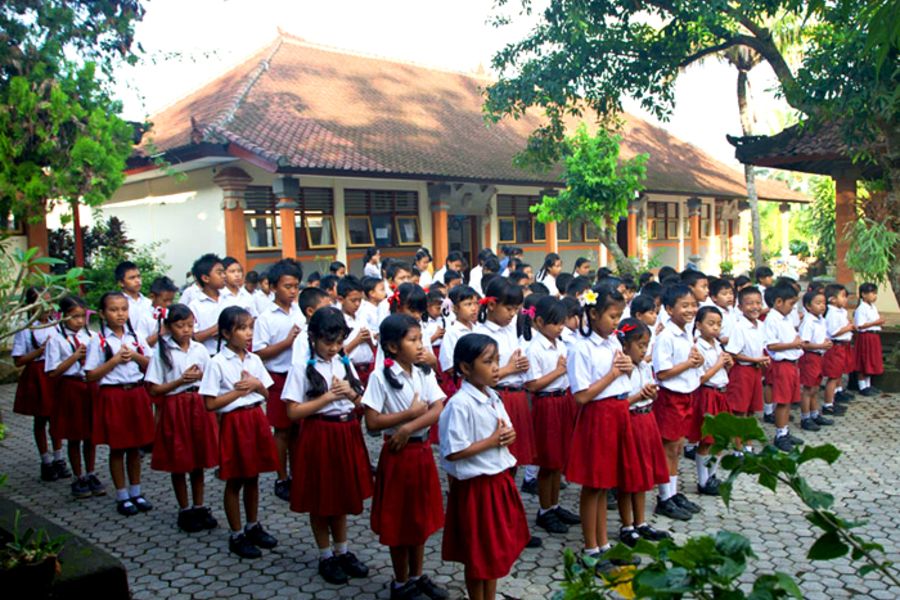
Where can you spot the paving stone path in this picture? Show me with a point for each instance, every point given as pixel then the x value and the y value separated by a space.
pixel 162 562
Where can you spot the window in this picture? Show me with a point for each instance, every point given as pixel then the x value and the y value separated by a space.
pixel 313 220
pixel 262 234
pixel 591 233
pixel 564 231
pixel 320 231
pixel 705 222
pixel 359 232
pixel 507 229
pixel 407 231
pixel 10 224
pixel 392 215
pixel 538 231
pixel 518 208
pixel 662 220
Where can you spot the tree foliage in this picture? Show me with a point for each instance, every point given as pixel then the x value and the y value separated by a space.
pixel 817 222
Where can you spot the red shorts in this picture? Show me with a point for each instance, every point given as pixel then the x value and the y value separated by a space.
pixel 276 408
pixel 246 446
pixel 707 401
pixel 187 435
pixel 516 405
pixel 72 417
pixel 835 361
pixel 653 468
pixel 603 454
pixel 35 392
pixel 868 353
pixel 673 411
pixel 810 365
pixel 785 382
pixel 123 418
pixel 745 389
pixel 553 426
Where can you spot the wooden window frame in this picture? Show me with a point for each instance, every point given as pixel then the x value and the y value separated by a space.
pixel 331 221
pixel 590 239
pixel 534 238
pixel 400 242
pixel 665 222
pixel 500 220
pixel 559 236
pixel 371 231
pixel 275 232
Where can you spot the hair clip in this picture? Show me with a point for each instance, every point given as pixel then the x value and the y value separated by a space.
pixel 529 312
pixel 345 359
pixel 486 300
pixel 311 362
pixel 389 362
pixel 160 312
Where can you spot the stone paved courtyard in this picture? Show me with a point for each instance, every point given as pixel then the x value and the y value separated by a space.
pixel 162 562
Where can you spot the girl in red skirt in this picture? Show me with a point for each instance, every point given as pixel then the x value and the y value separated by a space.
pixel 603 454
pixel 710 399
pixel 187 435
pixel 402 401
pixel 122 412
pixel 552 407
pixel 652 469
pixel 72 417
pixel 34 394
pixel 868 342
pixel 235 384
pixel 331 474
pixel 815 344
pixel 485 528
pixel 838 360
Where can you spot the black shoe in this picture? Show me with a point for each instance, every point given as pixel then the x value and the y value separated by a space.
pixel 96 486
pixel 629 537
pixel 260 538
pixel 352 566
pixel 534 542
pixel 843 397
pixel 711 488
pixel 601 566
pixel 769 418
pixel 188 520
pixel 283 489
pixel 823 421
pixel 529 486
pixel 206 518
pixel 808 424
pixel 795 440
pixel 126 508
pixel 550 522
pixel 240 545
pixel 62 471
pixel 870 392
pixel 835 410
pixel 141 503
pixel 331 571
pixel 623 562
pixel 690 453
pixel 682 502
pixel 784 443
pixel 612 499
pixel 668 508
pixel 431 589
pixel 407 591
pixel 567 516
pixel 80 489
pixel 48 472
pixel 651 534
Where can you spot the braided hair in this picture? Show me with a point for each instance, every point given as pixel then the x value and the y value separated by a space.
pixel 409 297
pixel 328 325
pixel 104 300
pixel 66 305
pixel 392 331
pixel 173 314
pixel 605 297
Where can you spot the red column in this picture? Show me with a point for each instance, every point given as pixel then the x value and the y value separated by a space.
pixel 439 226
pixel 233 182
pixel 632 229
pixel 287 191
pixel 844 214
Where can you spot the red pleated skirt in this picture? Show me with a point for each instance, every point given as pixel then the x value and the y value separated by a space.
pixel 330 468
pixel 35 391
pixel 246 445
pixel 516 405
pixel 276 408
pixel 868 353
pixel 745 389
pixel 836 360
pixel 486 529
pixel 363 371
pixel 553 425
pixel 674 413
pixel 785 382
pixel 652 468
pixel 707 401
pixel 187 435
pixel 603 453
pixel 407 504
pixel 72 417
pixel 810 369
pixel 123 418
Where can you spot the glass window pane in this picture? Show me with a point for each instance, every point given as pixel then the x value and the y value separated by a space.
pixel 540 231
pixel 672 230
pixel 359 231
pixel 523 230
pixel 408 231
pixel 507 230
pixel 383 226
pixel 261 233
pixel 320 231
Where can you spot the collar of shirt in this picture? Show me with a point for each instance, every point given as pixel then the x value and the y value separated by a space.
pixel 204 297
pixel 229 354
pixel 544 342
pixel 678 331
pixel 704 345
pixel 745 322
pixel 476 394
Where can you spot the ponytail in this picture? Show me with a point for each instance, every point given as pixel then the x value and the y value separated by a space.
pixel 501 291
pixel 327 324
pixel 164 353
pixel 316 383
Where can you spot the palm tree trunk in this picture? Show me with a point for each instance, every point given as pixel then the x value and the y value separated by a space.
pixel 749 171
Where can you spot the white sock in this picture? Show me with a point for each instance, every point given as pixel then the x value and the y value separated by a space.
pixel 340 548
pixel 122 494
pixel 864 382
pixel 673 484
pixel 325 553
pixel 712 465
pixel 605 547
pixel 134 490
pixel 250 525
pixel 813 414
pixel 531 472
pixel 839 388
pixel 664 491
pixel 804 415
pixel 690 446
pixel 592 551
pixel 702 469
pixel 46 458
pixel 769 409
pixel 544 511
pixel 781 431
pixel 58 454
pixel 828 404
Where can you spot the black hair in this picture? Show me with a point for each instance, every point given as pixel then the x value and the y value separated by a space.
pixel 666 271
pixel 515 264
pixel 251 277
pixel 204 266
pixel 609 281
pixel 314 276
pixel 761 272
pixel 461 293
pixel 631 330
pixel 606 297
pixel 705 310
pixel 411 297
pixel 580 261
pixel 549 309
pixel 673 293
pixel 523 320
pixel 809 296
pixel 336 266
pixel 230 260
pixel 451 275
pixel 163 284
pixel 369 284
pixel 284 268
pixel 642 303
pixel 536 287
pixel 563 281
pixel 630 285
pixel 396 266
pixel 654 289
pixel 454 256
pixel 423 253
pixel 101 304
pixel 469 348
pixel 517 276
pixel 549 260
pixel 416 272
pixel 329 282
pixel 717 285
pixel 833 289
pixel 602 272
pixel 670 280
pixel 309 298
pixel 577 286
pixel 437 285
pixel 867 288
pixel 775 292
pixel 386 264
pixel 327 324
pixel 229 319
pixel 504 292
pixel 126 265
pixel 816 285
pixel 691 277
pixel 348 284
pixel 370 252
pixel 484 254
pixel 174 313
pixel 747 291
pixel 645 278
pixel 32 294
pixel 572 306
pixel 434 296
pixel 487 279
pixel 785 280
pixel 66 304
pixel 392 331
pixel 741 280
pixel 491 264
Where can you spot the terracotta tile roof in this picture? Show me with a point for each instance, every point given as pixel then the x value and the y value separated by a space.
pixel 311 109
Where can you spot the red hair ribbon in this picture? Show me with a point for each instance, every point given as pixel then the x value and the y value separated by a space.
pixel 160 312
pixel 486 300
pixel 389 362
pixel 102 341
pixel 628 327
pixel 395 298
pixel 530 311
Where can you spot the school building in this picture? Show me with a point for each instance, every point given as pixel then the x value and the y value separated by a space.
pixel 309 152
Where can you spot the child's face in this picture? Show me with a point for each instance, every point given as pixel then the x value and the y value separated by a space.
pixel 840 300
pixel 350 303
pixel 636 349
pixel 700 290
pixel 234 275
pixel 182 330
pixel 322 303
pixel 453 283
pixel 377 294
pixel 555 269
pixel 287 289
pixel 502 314
pixel 724 298
pixel 400 277
pixel 817 306
pixel 376 258
pixel 328 349
pixel 250 287
pixel 629 295
pixel 434 310
pixel 648 318
pixel 410 350
pixel 522 282
pixel 264 284
pixel 604 323
pixel 530 272
pixel 455 265
pixel 785 306
pixel 751 306
pixel 342 272
pixel 684 311
pixel 572 323
pixel 766 281
pixel 484 370
pixel 710 326
pixel 332 293
pixel 216 278
pixel 131 282
pixel 116 311
pixel 551 331
pixel 241 335
pixel 77 317
pixel 584 269
pixel 414 279
pixel 413 313
pixel 870 297
pixel 467 310
pixel 163 299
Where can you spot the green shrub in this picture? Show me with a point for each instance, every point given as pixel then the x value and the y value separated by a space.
pixel 101 276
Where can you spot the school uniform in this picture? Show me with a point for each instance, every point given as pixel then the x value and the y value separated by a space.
pixel 868 343
pixel 603 453
pixel 330 463
pixel 710 398
pixel 652 468
pixel 839 358
pixel 34 393
pixel 362 357
pixel 273 326
pixel 674 406
pixel 425 279
pixel 407 504
pixel 549 281
pixel 552 415
pixel 187 435
pixel 246 446
pixel 122 411
pixel 745 379
pixel 190 293
pixel 138 307
pixel 148 324
pixel 71 417
pixel 475 276
pixel 438 275
pixel 370 270
pixel 261 301
pixel 242 298
pixel 783 374
pixel 485 528
pixel 448 346
pixel 512 391
pixel 206 314
pixel 729 320
pixel 812 330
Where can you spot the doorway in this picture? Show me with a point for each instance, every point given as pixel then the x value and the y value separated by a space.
pixel 463 236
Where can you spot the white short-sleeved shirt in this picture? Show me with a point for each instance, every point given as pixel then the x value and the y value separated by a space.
pixel 711 354
pixel 673 346
pixel 24 341
pixel 383 398
pixel 430 327
pixel 762 292
pixel 866 313
pixel 243 298
pixel 425 279
pixel 812 330
pixel 641 376
pixel 363 353
pixel 836 319
pixel 123 373
pixel 206 314
pixel 261 301
pixel 223 372
pixel 138 308
pixel 795 316
pixel 508 342
pixel 439 274
pixel 471 416
pixel 778 329
pixel 61 346
pixel 550 281
pixel 158 373
pixel 475 276
pixel 747 338
pixel 591 360
pixel 448 345
pixel 296 384
pixel 371 270
pixel 542 358
pixel 273 326
pixel 569 337
pixel 190 293
pixel 382 312
pixel 147 324
pixel 368 313
pixel 729 317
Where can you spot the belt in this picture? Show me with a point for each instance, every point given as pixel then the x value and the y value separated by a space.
pixel 840 342
pixel 618 397
pixel 190 390
pixel 556 394
pixel 641 410
pixel 718 388
pixel 413 439
pixel 787 360
pixel 345 418
pixel 509 388
pixel 122 386
pixel 245 407
pixel 746 364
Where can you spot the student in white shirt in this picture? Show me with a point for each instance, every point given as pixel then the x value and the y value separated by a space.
pixel 838 359
pixel 372 263
pixel 485 528
pixel 582 267
pixel 476 273
pixel 549 271
pixel 454 262
pixel 128 277
pixel 464 302
pixel 434 325
pixel 746 345
pixel 208 270
pixel 785 348
pixel 234 293
pixel 721 292
pixel 421 261
pixel 361 341
pixel 868 343
pixel 162 295
pixel 398 273
pixel 644 309
pixel 814 334
pixel 235 385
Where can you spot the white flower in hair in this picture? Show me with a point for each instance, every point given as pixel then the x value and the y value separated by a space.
pixel 589 298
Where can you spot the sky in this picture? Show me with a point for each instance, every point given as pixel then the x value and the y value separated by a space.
pixel 189 43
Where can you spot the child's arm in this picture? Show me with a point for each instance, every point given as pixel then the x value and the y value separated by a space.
pixel 277 348
pixel 340 389
pixel 104 369
pixel 846 328
pixel 877 323
pixel 718 366
pixel 141 359
pixel 593 390
pixel 217 402
pixel 502 436
pixel 190 375
pixel 376 421
pixel 540 383
pixel 518 363
pixel 363 336
pixel 64 365
pixel 23 360
pixel 694 360
pixel 782 346
pixel 205 334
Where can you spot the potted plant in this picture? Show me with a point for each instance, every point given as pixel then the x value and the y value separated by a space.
pixel 29 561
